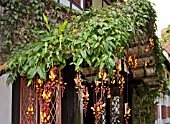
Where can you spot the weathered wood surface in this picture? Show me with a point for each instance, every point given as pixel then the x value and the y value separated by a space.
pixel 145 69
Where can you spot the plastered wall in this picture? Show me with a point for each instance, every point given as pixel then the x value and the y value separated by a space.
pixel 5 101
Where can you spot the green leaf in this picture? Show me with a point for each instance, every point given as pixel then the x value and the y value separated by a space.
pixel 46 21
pixel 31 73
pixel 60 40
pixel 95 37
pixel 100 31
pixel 29 82
pixel 96 45
pixel 24 70
pixel 62 27
pixel 20 60
pixel 104 57
pixel 109 38
pixel 45 18
pixel 102 65
pixel 48 38
pixel 83 53
pixel 10 79
pixel 111 61
pixel 93 59
pixel 46 45
pixel 8 42
pixel 79 61
pixel 97 62
pixel 112 44
pixel 38 47
pixel 59 58
pixel 41 72
pixel 88 62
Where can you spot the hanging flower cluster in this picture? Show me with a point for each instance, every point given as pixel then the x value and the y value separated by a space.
pixel 121 82
pixel 82 91
pixel 98 109
pixel 119 78
pixel 85 96
pixel 38 85
pixel 101 89
pixel 146 49
pixel 96 50
pixel 47 91
pixel 132 62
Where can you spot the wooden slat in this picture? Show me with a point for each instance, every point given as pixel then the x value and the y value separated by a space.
pixel 142 73
pixel 150 60
pixel 139 50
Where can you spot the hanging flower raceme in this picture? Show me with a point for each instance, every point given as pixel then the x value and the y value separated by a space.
pixel 82 91
pixel 134 62
pixel 78 81
pixel 121 83
pixel 48 92
pixel 108 92
pixel 85 96
pixel 97 88
pixel 39 85
pixel 47 95
pixel 98 110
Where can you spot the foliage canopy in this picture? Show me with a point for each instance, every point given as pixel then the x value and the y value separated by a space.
pixel 42 34
pixel 96 36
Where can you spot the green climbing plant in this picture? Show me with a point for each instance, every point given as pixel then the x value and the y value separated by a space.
pixel 143 105
pixel 46 51
pixel 97 36
pixel 42 34
pixel 20 18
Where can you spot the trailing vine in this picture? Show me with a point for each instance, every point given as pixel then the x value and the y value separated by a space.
pixel 40 38
pixel 143 105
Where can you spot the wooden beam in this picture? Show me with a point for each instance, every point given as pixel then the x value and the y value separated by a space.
pixel 142 73
pixel 139 50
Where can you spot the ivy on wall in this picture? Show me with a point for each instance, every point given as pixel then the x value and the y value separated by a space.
pixel 20 18
pixel 104 35
pixel 42 34
pixel 143 105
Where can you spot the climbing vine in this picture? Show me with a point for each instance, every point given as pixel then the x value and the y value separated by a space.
pixel 43 34
pixel 20 18
pixel 143 105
